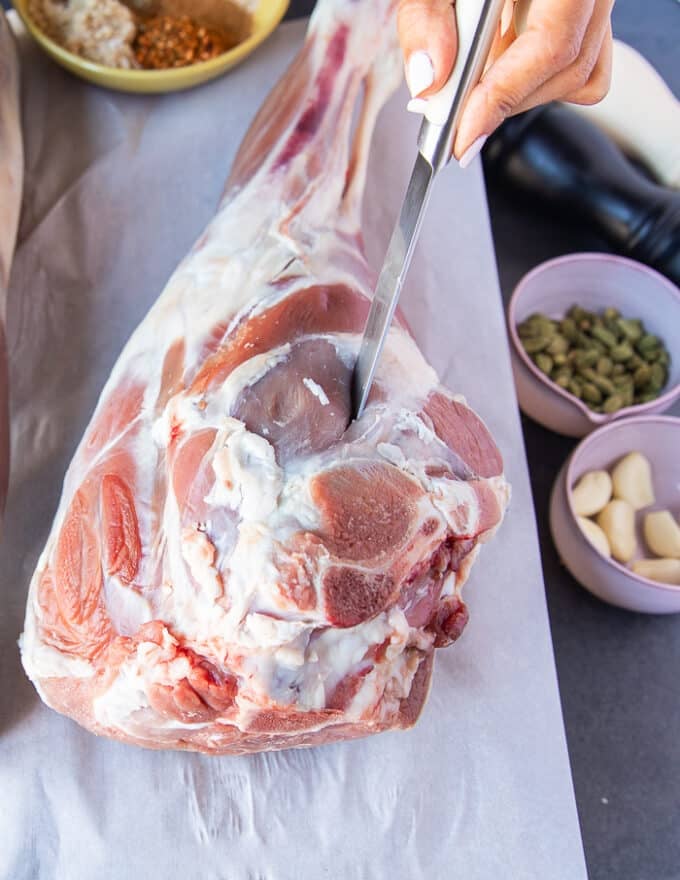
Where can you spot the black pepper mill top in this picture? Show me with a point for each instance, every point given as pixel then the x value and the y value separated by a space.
pixel 568 167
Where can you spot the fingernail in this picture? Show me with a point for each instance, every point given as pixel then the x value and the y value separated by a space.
pixel 417 105
pixel 419 73
pixel 506 16
pixel 472 151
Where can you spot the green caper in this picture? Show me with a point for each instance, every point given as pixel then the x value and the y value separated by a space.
pixel 657 377
pixel 604 384
pixel 625 380
pixel 604 336
pixel 591 394
pixel 648 342
pixel 575 387
pixel 568 329
pixel 631 328
pixel 535 344
pixel 613 403
pixel 576 313
pixel 621 352
pixel 642 375
pixel 558 345
pixel 586 358
pixel 604 366
pixel 544 363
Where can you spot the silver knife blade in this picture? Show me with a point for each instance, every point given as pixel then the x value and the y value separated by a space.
pixel 390 281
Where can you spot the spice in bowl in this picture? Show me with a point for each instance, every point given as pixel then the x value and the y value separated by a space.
pixel 606 360
pixel 97 30
pixel 164 41
pixel 141 34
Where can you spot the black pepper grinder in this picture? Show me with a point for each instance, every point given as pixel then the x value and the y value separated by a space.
pixel 564 164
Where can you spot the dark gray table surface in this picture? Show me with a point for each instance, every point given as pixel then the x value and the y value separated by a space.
pixel 619 673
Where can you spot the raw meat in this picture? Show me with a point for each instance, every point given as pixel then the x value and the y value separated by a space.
pixel 11 174
pixel 233 566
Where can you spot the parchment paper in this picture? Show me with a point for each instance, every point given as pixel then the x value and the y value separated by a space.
pixel 117 189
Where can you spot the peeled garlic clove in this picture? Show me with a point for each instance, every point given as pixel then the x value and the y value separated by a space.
pixel 662 534
pixel 632 480
pixel 591 493
pixel 667 571
pixel 617 520
pixel 595 535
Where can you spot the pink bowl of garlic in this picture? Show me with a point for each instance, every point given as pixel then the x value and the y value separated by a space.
pixel 615 513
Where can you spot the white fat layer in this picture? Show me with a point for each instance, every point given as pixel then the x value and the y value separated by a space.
pixel 248 477
pixel 316 390
pixel 126 606
pixel 199 555
pixel 43 661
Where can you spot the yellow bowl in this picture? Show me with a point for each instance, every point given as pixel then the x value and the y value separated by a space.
pixel 265 18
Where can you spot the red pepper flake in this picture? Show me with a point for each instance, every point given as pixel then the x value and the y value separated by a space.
pixel 164 41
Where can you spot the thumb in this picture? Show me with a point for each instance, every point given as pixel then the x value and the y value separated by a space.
pixel 429 42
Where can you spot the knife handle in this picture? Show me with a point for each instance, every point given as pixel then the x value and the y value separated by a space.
pixel 477 22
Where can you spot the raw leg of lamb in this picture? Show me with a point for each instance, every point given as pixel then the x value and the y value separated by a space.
pixel 11 173
pixel 233 566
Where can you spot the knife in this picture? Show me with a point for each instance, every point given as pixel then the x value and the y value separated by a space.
pixel 477 22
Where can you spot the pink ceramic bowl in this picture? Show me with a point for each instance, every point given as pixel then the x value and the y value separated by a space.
pixel 593 281
pixel 657 437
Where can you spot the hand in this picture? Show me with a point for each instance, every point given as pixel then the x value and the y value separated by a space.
pixel 563 53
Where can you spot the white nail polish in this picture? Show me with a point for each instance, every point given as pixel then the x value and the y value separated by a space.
pixel 472 151
pixel 417 105
pixel 419 73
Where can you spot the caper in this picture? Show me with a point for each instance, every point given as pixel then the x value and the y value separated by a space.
pixel 577 313
pixel 621 352
pixel 625 380
pixel 575 387
pixel 657 377
pixel 586 359
pixel 568 329
pixel 613 403
pixel 604 366
pixel 544 363
pixel 631 328
pixel 558 345
pixel 642 376
pixel 648 342
pixel 536 344
pixel 591 394
pixel 604 336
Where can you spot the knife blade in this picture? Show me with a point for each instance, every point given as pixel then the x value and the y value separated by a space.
pixel 477 21
pixel 390 281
